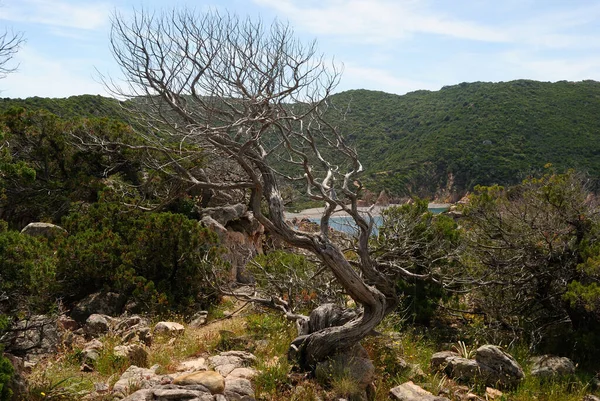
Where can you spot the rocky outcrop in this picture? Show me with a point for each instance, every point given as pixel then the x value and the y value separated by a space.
pixel 33 338
pixel 550 365
pixel 240 234
pixel 492 365
pixel 107 303
pixel 411 392
pixel 229 381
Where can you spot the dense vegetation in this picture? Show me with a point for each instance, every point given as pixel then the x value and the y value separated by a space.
pixel 473 133
pixel 443 142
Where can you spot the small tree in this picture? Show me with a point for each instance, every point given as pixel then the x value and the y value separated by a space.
pixel 254 101
pixel 534 248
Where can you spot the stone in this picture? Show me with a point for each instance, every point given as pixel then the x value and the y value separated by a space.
pixel 96 325
pixel 590 397
pixel 192 365
pixel 411 392
pixel 168 328
pixel 243 373
pixel 138 377
pixel 67 324
pixel 35 337
pixel 226 362
pixel 462 368
pixel 238 386
pixel 439 360
pixel 102 303
pixel 47 230
pixel 492 393
pixel 136 354
pixel 178 394
pixel 498 367
pixel 140 395
pixel 199 319
pixel 550 365
pixel 212 380
pixel 353 363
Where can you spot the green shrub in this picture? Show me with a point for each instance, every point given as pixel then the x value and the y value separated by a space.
pixel 27 273
pixel 162 260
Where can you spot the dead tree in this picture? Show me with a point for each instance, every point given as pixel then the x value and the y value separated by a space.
pixel 254 95
pixel 9 46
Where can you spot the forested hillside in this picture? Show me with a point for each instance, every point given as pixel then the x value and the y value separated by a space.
pixel 473 133
pixel 441 144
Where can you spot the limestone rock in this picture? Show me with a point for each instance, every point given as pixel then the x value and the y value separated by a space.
pixel 136 354
pixel 138 377
pixel 462 368
pixel 34 337
pixel 96 325
pixel 169 328
pixel 411 392
pixel 550 365
pixel 238 387
pixel 107 303
pixel 212 380
pixel 46 230
pixel 192 365
pixel 498 366
pixel 243 373
pixel 140 395
pixel 439 360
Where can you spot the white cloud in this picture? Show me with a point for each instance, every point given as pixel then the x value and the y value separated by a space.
pixel 41 76
pixel 379 21
pixel 356 77
pixel 79 15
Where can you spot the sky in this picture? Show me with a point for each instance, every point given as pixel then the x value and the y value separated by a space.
pixel 395 46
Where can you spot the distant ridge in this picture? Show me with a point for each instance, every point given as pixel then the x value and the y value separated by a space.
pixel 440 144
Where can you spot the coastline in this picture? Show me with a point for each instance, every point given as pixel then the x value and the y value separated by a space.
pixel 317 212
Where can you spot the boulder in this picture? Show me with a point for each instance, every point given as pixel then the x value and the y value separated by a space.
pixel 33 338
pixel 212 380
pixel 97 325
pixel 498 367
pixel 137 377
pixel 136 354
pixel 169 329
pixel 439 360
pixel 354 363
pixel 46 230
pixel 411 392
pixel 590 397
pixel 237 388
pixel 107 303
pixel 550 365
pixel 462 368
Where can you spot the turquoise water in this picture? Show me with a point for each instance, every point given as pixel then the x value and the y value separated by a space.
pixel 346 224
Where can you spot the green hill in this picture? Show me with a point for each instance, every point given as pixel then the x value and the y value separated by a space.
pixel 442 143
pixel 74 106
pixel 473 133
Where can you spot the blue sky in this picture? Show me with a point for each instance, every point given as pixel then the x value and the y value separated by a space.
pixel 395 46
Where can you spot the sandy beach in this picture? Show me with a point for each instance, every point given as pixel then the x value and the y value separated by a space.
pixel 317 212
